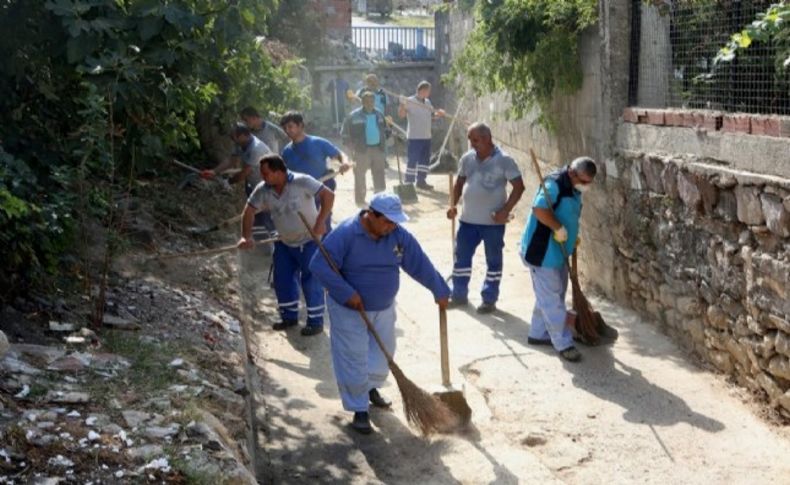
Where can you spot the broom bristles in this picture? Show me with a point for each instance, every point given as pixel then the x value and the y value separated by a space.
pixel 586 323
pixel 423 410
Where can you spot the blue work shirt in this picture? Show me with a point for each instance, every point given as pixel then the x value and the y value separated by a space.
pixel 538 246
pixel 372 132
pixel 309 155
pixel 372 267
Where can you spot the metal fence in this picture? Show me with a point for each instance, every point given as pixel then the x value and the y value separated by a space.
pixel 396 43
pixel 672 51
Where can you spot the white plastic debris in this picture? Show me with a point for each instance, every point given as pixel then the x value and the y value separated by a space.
pixel 23 393
pixel 90 421
pixel 176 362
pixel 74 414
pixel 93 435
pixel 119 474
pixel 158 464
pixel 60 460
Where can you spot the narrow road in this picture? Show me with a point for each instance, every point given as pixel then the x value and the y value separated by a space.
pixel 635 412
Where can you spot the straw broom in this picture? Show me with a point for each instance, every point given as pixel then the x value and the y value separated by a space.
pixel 422 409
pixel 586 326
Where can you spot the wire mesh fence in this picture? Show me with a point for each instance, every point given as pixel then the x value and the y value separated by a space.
pixel 674 44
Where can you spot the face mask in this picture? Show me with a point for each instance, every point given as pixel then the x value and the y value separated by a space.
pixel 583 188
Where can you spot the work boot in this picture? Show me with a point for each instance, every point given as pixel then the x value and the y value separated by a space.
pixel 285 324
pixel 378 400
pixel 312 330
pixel 486 308
pixel 361 423
pixel 457 303
pixel 571 354
pixel 424 186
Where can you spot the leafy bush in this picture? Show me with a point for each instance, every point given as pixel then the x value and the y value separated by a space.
pixel 92 90
pixel 527 48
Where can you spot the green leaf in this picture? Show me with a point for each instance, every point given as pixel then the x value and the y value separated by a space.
pixel 248 16
pixel 78 48
pixel 149 27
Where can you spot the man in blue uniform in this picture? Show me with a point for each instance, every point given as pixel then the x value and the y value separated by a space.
pixel 284 194
pixel 369 249
pixel 250 150
pixel 541 252
pixel 308 154
pixel 419 114
pixel 485 172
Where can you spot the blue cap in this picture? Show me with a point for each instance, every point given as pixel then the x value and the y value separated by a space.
pixel 389 205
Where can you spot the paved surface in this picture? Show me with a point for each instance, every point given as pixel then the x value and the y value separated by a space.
pixel 635 412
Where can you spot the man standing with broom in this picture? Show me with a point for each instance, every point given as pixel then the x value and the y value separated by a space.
pixel 285 195
pixel 486 171
pixel 365 131
pixel 419 113
pixel 554 221
pixel 369 250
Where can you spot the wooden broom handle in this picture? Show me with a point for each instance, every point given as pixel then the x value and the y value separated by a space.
pixel 209 252
pixel 334 267
pixel 445 353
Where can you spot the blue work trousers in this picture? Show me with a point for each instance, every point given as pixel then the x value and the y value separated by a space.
pixel 548 316
pixel 357 359
pixel 291 268
pixel 467 239
pixel 418 154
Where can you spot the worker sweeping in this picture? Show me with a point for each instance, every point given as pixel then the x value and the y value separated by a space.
pixel 369 249
pixel 551 323
pixel 250 150
pixel 308 154
pixel 284 195
pixel 483 175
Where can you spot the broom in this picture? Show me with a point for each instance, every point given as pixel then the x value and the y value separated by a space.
pixel 586 325
pixel 422 409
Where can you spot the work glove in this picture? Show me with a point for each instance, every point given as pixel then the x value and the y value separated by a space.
pixel 561 234
pixel 207 174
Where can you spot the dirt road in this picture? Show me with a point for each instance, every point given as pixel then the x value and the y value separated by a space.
pixel 636 412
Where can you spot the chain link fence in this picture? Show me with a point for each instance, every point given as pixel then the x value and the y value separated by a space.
pixel 674 44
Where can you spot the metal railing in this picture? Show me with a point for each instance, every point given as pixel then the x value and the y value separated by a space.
pixel 396 43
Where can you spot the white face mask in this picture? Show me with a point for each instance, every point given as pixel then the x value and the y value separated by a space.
pixel 583 188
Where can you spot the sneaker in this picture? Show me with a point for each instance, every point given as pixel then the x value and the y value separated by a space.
pixel 457 303
pixel 538 341
pixel 285 324
pixel 485 308
pixel 361 423
pixel 378 400
pixel 312 330
pixel 424 186
pixel 571 354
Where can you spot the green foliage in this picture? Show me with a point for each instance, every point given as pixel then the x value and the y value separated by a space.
pixel 528 48
pixel 92 90
pixel 298 24
pixel 771 26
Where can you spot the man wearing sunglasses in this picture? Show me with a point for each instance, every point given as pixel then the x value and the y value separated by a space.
pixel 540 250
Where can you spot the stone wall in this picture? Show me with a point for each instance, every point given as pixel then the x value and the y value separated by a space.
pixel 703 248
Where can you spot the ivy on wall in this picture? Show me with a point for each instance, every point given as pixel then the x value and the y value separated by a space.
pixel 525 48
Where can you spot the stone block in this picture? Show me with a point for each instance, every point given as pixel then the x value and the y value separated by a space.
pixel 769 386
pixel 779 366
pixel 652 168
pixel 737 123
pixel 784 401
pixel 689 306
pixel 696 329
pixel 669 177
pixel 726 206
pixel 709 194
pixel 717 317
pixel 777 218
pixel 766 125
pixel 712 120
pixel 737 351
pixel 782 343
pixel 750 210
pixel 721 360
pixel 688 190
